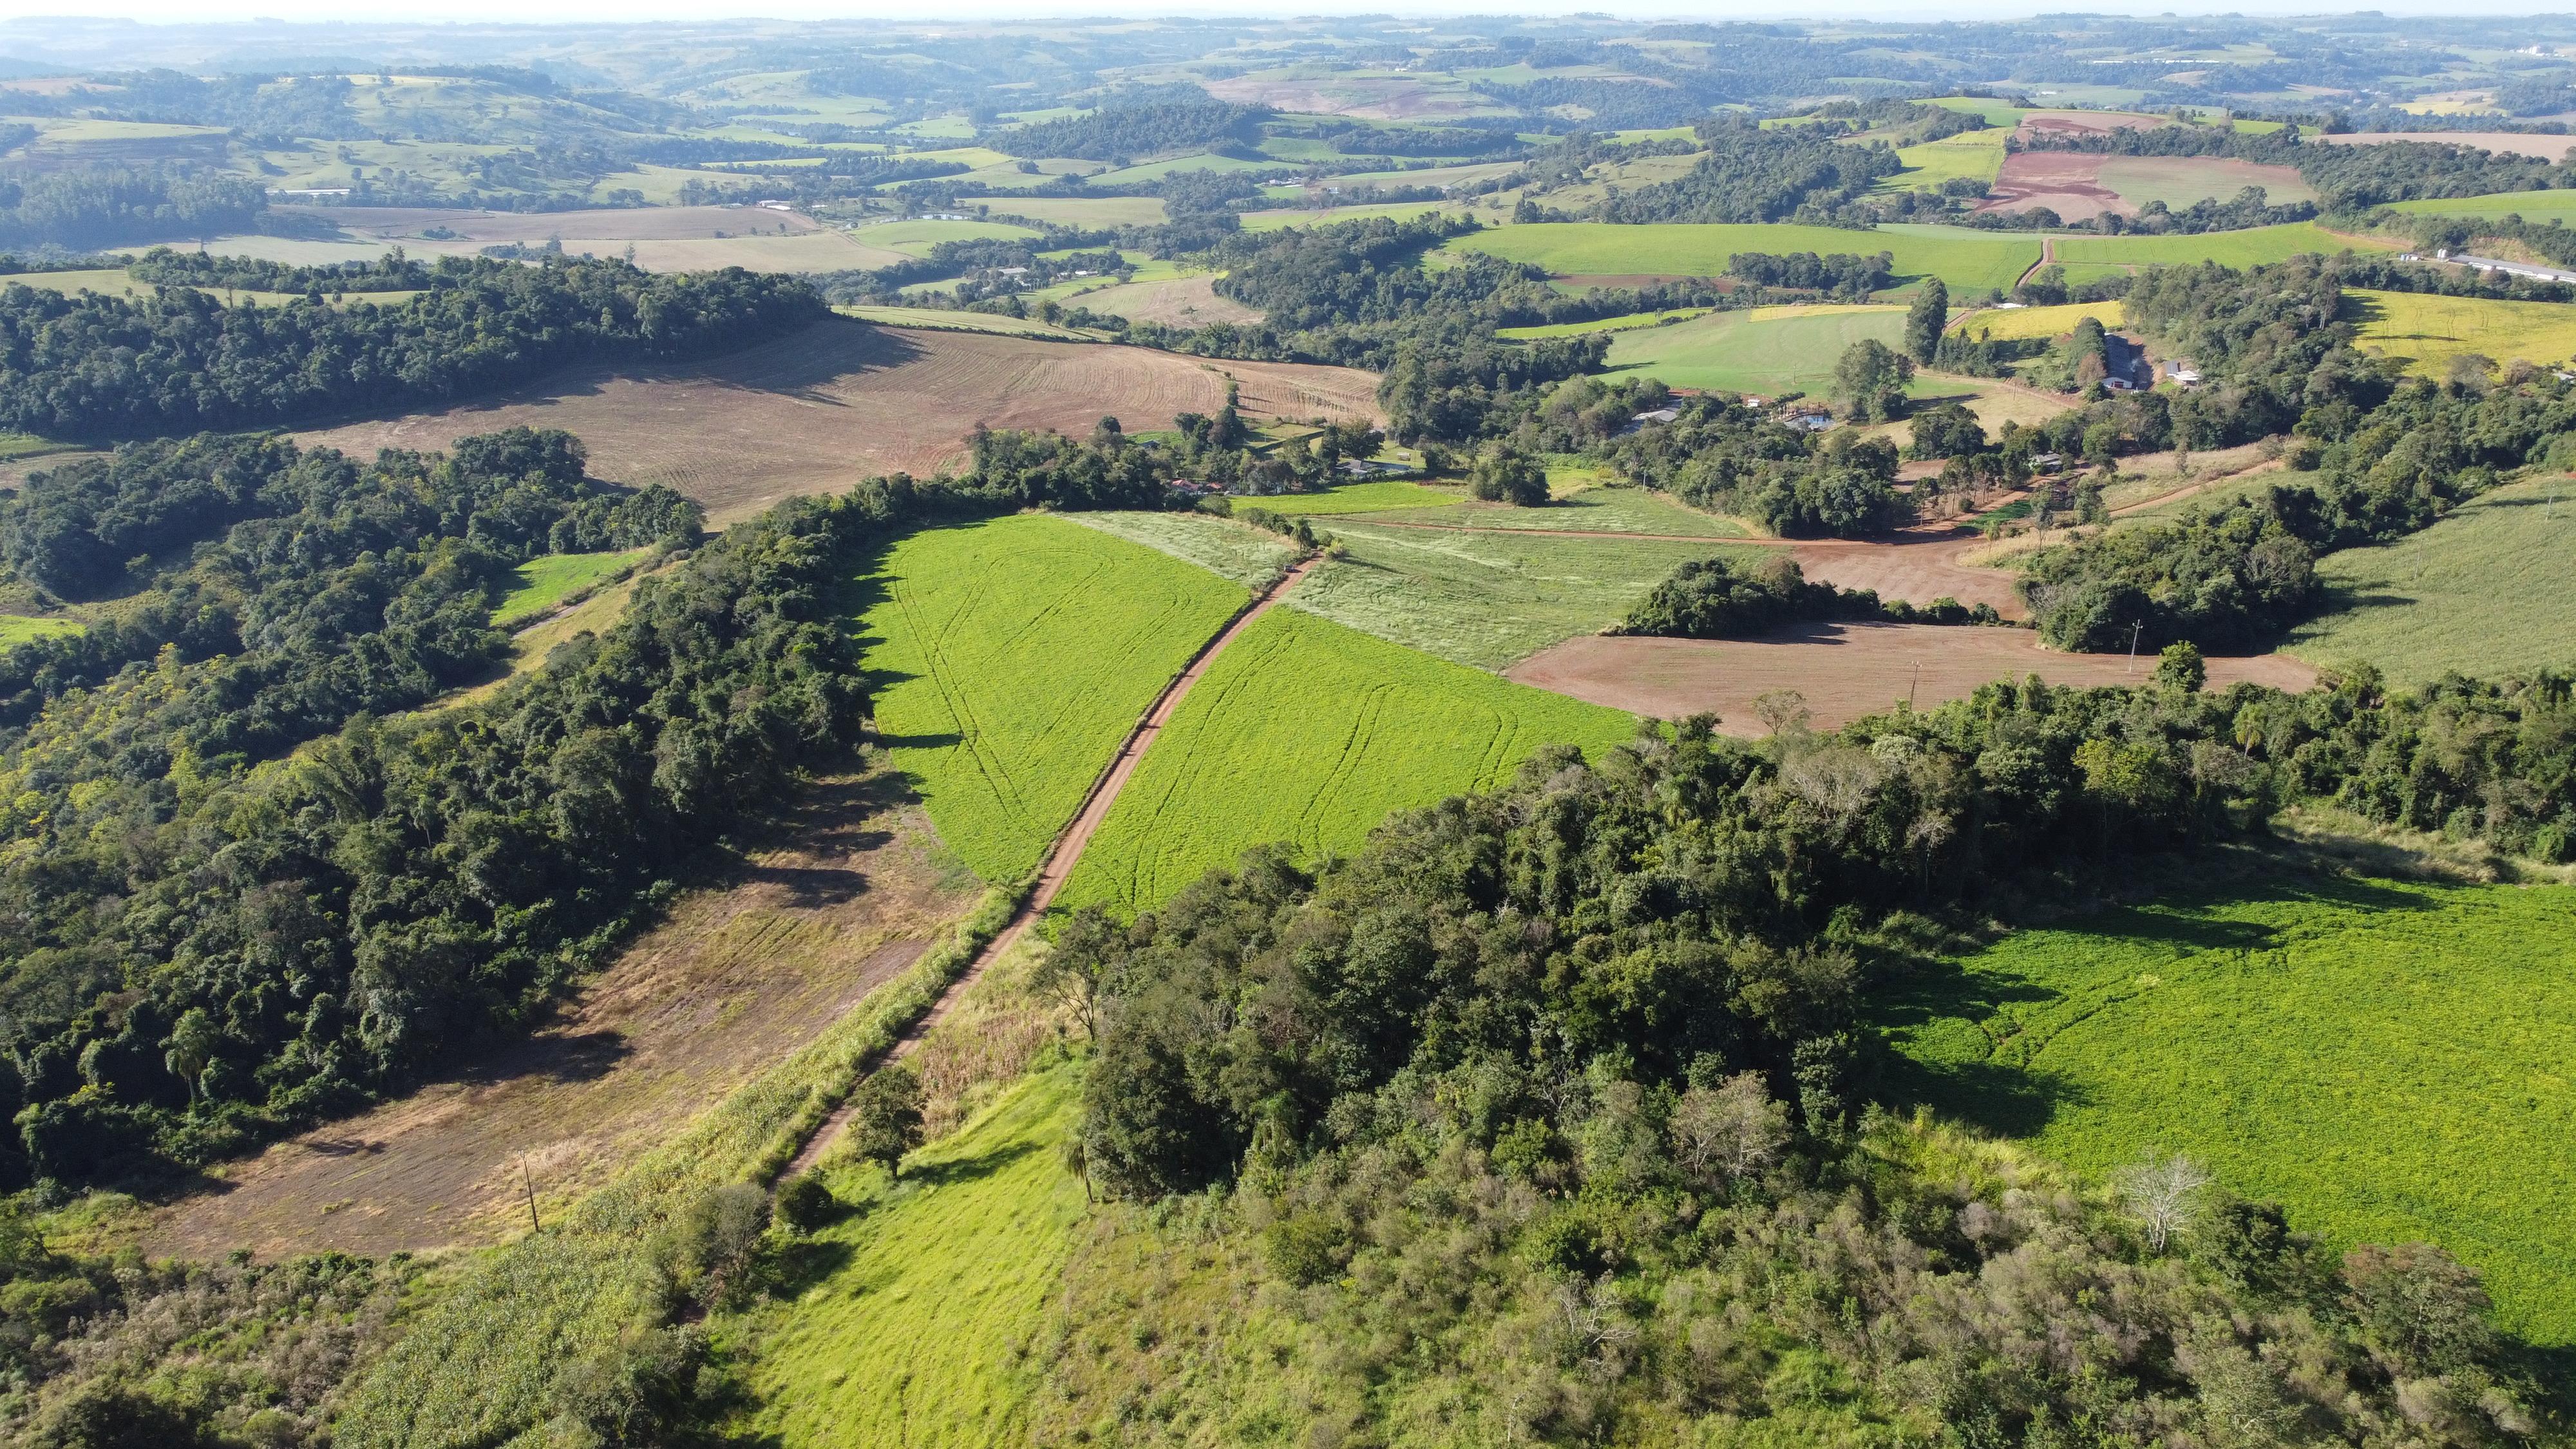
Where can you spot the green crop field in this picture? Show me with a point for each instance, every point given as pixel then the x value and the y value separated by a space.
pixel 1628 323
pixel 2184 181
pixel 1010 657
pixel 2227 248
pixel 1308 732
pixel 1156 171
pixel 1764 350
pixel 908 1322
pixel 1486 599
pixel 2430 330
pixel 2389 1060
pixel 2002 114
pixel 1967 260
pixel 1288 216
pixel 19 628
pixel 1375 496
pixel 918 237
pixel 547 581
pixel 2539 206
pixel 2484 592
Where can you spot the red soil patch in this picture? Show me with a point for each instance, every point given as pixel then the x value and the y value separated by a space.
pixel 845 893
pixel 1844 671
pixel 2066 182
pixel 2547 148
pixel 818 411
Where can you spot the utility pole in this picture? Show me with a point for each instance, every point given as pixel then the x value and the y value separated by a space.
pixel 1910 688
pixel 530 1184
pixel 2134 630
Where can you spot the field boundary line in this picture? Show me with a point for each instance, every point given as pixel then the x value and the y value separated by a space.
pixel 1067 849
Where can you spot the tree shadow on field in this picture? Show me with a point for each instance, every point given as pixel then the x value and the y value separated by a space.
pixel 958 1170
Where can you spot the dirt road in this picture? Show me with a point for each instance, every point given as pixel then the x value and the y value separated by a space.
pixel 1068 847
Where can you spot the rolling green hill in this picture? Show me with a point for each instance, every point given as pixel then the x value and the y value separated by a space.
pixel 1968 261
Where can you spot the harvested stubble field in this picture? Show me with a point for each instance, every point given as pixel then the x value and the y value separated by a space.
pixel 841 401
pixel 1488 597
pixel 1249 556
pixel 1844 671
pixel 2018 324
pixel 841 893
pixel 2385 1058
pixel 1177 302
pixel 1010 658
pixel 2079 186
pixel 1307 732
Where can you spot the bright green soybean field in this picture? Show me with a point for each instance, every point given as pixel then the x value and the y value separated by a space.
pixel 1308 732
pixel 2390 1060
pixel 1008 659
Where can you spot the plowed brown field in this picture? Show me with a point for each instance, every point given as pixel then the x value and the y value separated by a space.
pixel 841 401
pixel 1843 671
pixel 847 892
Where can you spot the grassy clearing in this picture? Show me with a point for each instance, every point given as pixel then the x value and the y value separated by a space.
pixel 1969 155
pixel 920 1302
pixel 19 628
pixel 1486 599
pixel 2430 330
pixel 1011 657
pixel 1628 323
pixel 2249 248
pixel 2539 206
pixel 1308 732
pixel 2484 592
pixel 1371 497
pixel 1282 217
pixel 1202 161
pixel 2025 323
pixel 1789 348
pixel 918 237
pixel 1236 551
pixel 546 582
pixel 2387 1059
pixel 1609 508
pixel 1965 260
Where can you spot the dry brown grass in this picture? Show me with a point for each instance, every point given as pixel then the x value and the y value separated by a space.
pixel 1843 671
pixel 839 402
pixel 845 890
pixel 1177 302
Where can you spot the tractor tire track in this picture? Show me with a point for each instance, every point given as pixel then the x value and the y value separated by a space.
pixel 1067 849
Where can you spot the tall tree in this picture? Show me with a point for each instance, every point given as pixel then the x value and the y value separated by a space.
pixel 1925 322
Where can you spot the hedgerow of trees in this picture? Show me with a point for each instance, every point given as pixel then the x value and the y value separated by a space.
pixel 96 368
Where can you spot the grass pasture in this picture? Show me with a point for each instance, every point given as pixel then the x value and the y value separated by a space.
pixel 2183 181
pixel 2253 247
pixel 547 581
pixel 2484 591
pixel 2429 330
pixel 2535 206
pixel 2020 324
pixel 1628 323
pixel 1375 496
pixel 1308 732
pixel 1486 598
pixel 2387 1059
pixel 1764 350
pixel 907 1325
pixel 1969 155
pixel 20 628
pixel 1250 556
pixel 1608 508
pixel 1966 260
pixel 918 237
pixel 1011 657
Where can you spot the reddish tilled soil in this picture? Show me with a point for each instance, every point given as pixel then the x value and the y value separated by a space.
pixel 2066 182
pixel 841 401
pixel 739 975
pixel 1843 671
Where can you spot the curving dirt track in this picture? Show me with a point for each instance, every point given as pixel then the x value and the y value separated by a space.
pixel 840 401
pixel 1844 671
pixel 1068 847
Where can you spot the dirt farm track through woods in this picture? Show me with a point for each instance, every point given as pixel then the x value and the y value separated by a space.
pixel 841 401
